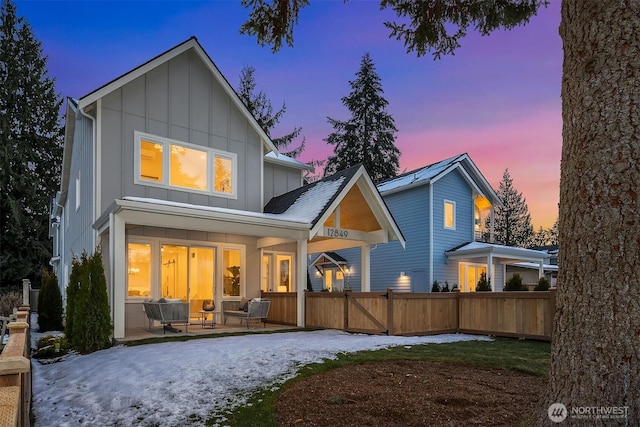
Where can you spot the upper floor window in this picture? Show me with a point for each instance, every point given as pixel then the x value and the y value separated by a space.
pixel 168 163
pixel 449 214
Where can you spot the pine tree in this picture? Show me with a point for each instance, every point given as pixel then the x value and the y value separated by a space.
pixel 49 304
pixel 30 150
pixel 368 136
pixel 512 223
pixel 260 106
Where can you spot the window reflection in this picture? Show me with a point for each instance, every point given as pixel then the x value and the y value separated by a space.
pixel 231 272
pixel 188 168
pixel 223 174
pixel 139 270
pixel 150 161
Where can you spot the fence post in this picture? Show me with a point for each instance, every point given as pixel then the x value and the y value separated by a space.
pixel 26 288
pixel 345 322
pixel 389 311
pixel 552 311
pixel 458 311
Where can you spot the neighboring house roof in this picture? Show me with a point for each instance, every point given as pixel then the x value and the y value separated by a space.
pixel 329 258
pixel 281 159
pixel 433 172
pixel 191 43
pixel 505 253
pixel 317 201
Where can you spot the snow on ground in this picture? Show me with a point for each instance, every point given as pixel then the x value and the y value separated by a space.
pixel 183 383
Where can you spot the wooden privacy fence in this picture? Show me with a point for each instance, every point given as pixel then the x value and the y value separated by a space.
pixel 15 373
pixel 514 314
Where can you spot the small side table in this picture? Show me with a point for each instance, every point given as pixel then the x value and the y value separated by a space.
pixel 203 318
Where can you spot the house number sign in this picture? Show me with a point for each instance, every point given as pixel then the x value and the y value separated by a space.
pixel 336 232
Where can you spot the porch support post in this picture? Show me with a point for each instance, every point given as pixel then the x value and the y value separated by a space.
pixel 117 279
pixel 541 270
pixel 490 271
pixel 302 280
pixel 365 274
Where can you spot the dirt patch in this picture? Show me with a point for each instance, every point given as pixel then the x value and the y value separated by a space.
pixel 410 393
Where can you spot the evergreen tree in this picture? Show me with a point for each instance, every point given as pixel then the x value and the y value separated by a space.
pixel 259 105
pixel 512 223
pixel 88 326
pixel 49 304
pixel 368 136
pixel 30 150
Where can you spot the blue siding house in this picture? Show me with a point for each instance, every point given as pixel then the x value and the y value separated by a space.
pixel 440 209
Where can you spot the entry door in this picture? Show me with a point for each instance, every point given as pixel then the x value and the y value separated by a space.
pixel 175 272
pixel 333 279
pixel 201 277
pixel 277 273
pixel 188 274
pixel 469 276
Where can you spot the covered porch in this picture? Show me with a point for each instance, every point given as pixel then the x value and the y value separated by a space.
pixel 344 210
pixel 495 258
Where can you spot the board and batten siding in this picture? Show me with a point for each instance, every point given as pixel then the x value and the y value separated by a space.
pixel 279 179
pixel 452 187
pixel 181 100
pixel 78 215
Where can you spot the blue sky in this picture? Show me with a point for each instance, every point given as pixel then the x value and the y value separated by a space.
pixel 497 98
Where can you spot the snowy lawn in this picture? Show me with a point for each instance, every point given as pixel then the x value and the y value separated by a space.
pixel 184 383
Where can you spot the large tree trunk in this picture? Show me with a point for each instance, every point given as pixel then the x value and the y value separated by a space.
pixel 596 336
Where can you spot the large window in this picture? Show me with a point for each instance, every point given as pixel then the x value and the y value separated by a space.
pixel 167 163
pixel 231 272
pixel 139 270
pixel 188 168
pixel 449 214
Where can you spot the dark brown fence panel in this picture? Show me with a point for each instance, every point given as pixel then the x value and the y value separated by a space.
pixel 283 308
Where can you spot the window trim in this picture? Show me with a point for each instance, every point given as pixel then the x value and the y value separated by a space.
pixel 444 214
pixel 166 143
pixel 153 277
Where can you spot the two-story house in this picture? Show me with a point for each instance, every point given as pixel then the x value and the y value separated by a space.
pixel 440 209
pixel 168 173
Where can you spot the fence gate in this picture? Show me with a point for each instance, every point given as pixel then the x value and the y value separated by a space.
pixel 367 312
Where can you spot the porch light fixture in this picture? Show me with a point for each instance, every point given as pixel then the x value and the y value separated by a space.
pixel 402 274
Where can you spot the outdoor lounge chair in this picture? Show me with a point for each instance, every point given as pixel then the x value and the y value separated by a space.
pixel 256 310
pixel 167 312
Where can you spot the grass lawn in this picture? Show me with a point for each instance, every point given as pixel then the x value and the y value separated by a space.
pixel 531 357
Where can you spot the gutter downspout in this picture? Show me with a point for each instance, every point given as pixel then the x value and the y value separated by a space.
pixel 430 233
pixel 93 166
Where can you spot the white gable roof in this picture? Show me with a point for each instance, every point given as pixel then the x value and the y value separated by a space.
pixel 431 173
pixel 191 43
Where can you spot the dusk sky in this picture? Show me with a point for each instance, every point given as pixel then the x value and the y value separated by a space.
pixel 497 99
